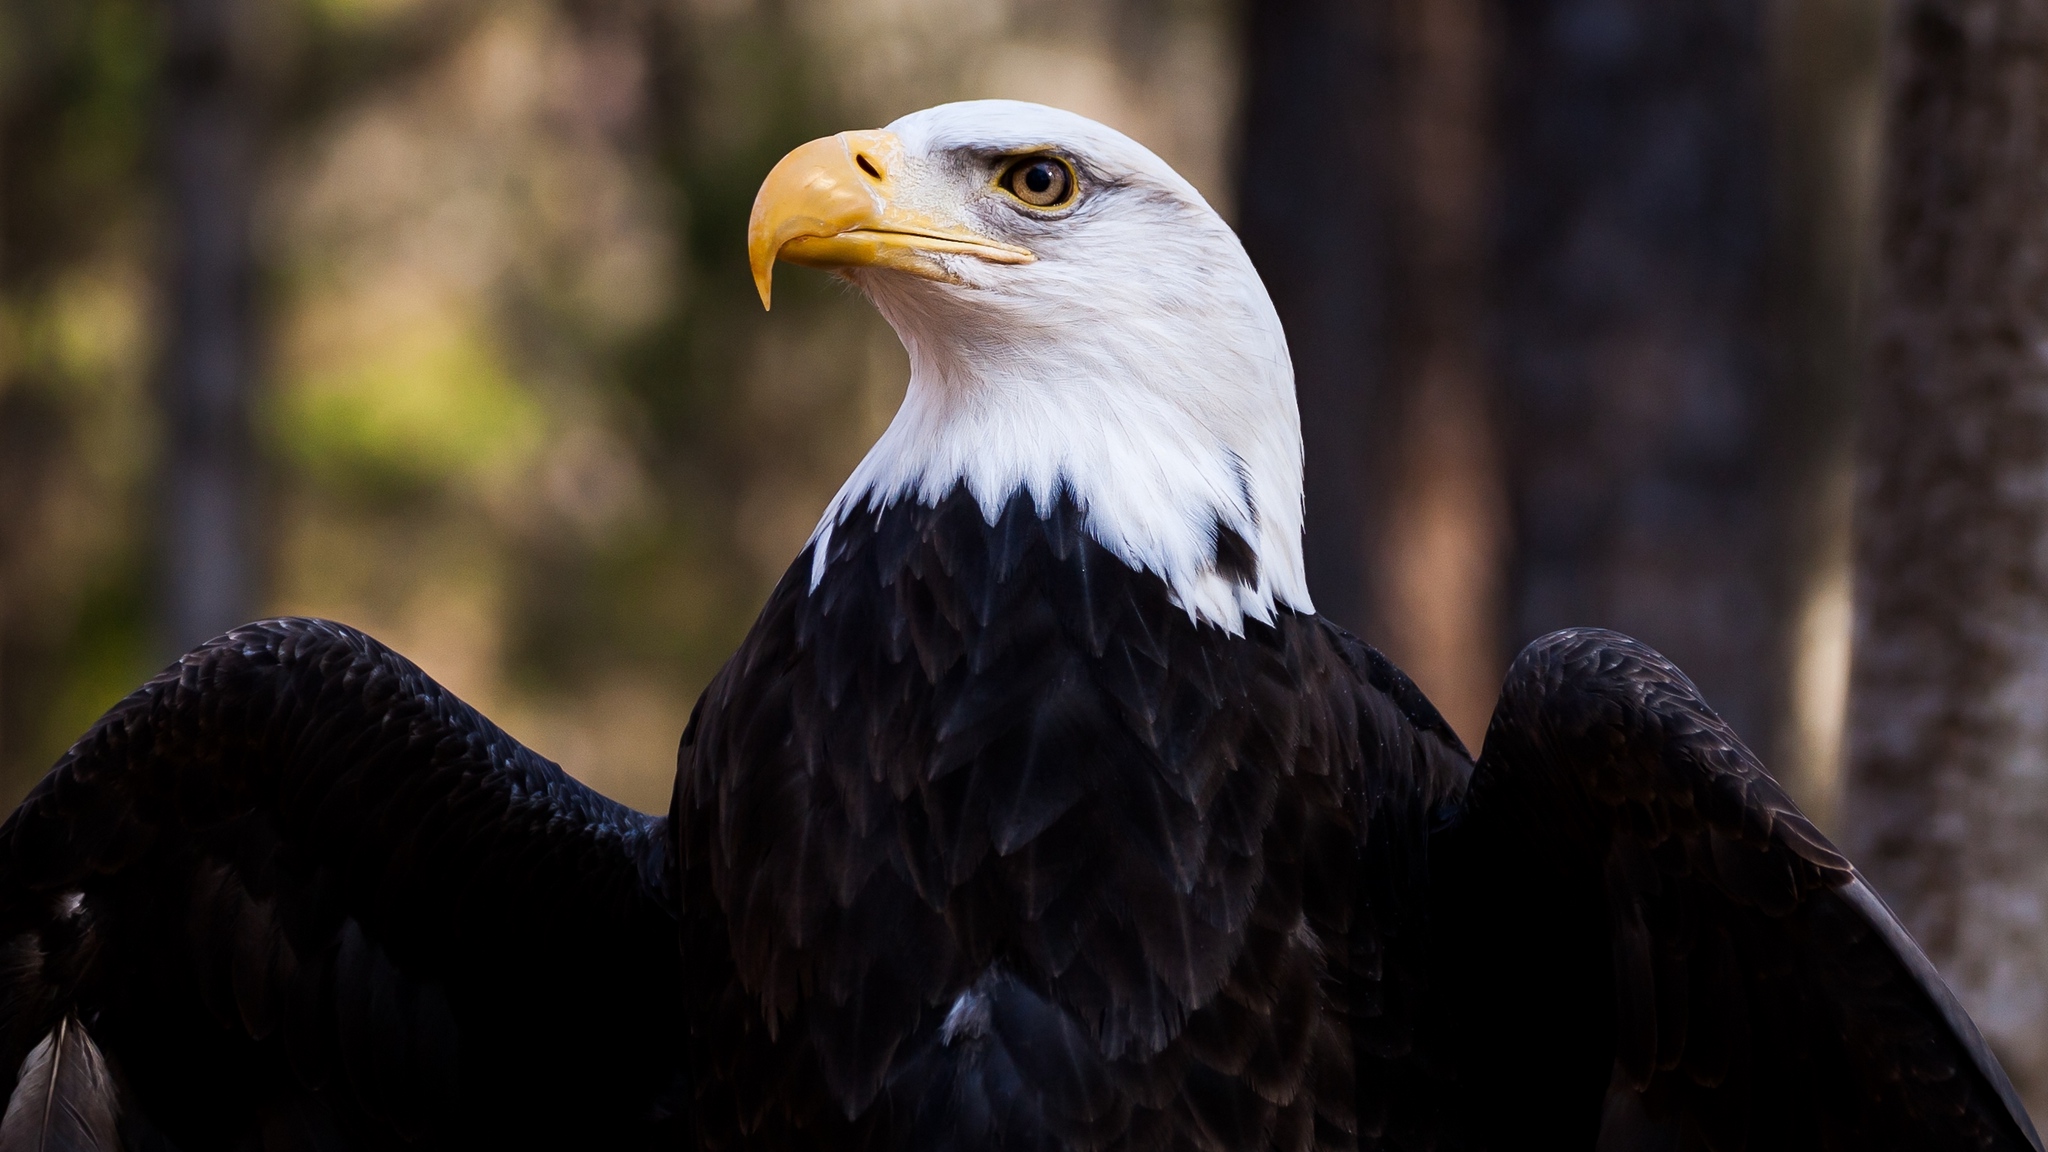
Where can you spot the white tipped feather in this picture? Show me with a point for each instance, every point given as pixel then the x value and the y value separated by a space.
pixel 64 1099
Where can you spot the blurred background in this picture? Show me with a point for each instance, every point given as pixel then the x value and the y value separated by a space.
pixel 433 316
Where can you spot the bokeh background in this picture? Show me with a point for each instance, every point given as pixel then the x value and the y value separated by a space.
pixel 472 277
pixel 433 316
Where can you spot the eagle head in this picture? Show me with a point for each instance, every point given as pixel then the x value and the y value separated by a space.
pixel 1078 319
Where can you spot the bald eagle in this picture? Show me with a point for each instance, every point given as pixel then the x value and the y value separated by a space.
pixel 1038 810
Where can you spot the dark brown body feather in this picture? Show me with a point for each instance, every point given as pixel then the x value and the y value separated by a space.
pixel 987 770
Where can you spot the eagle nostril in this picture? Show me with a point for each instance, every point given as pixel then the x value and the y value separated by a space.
pixel 867 166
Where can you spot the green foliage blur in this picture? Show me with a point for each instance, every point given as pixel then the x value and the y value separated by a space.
pixel 520 413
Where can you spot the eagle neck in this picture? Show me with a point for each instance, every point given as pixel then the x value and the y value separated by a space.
pixel 1185 466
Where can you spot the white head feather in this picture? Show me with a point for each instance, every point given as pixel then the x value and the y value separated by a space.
pixel 1137 362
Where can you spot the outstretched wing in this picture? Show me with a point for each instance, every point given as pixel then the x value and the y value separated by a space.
pixel 1655 949
pixel 294 894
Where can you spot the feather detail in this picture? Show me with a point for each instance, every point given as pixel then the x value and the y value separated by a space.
pixel 64 1099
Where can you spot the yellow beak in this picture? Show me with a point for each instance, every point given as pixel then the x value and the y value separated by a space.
pixel 837 203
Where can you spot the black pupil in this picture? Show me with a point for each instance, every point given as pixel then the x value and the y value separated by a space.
pixel 1038 177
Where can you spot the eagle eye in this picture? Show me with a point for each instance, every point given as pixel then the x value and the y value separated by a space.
pixel 1040 181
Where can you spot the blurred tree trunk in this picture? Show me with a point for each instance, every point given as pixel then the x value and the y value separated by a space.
pixel 1314 207
pixel 206 156
pixel 1630 334
pixel 1946 804
pixel 1446 528
pixel 1362 200
pixel 1646 234
pixel 1827 97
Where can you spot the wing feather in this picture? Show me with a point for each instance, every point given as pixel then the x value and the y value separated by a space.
pixel 64 1099
pixel 1687 938
pixel 292 885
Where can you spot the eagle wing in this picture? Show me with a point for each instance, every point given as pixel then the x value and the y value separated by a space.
pixel 293 893
pixel 1651 947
